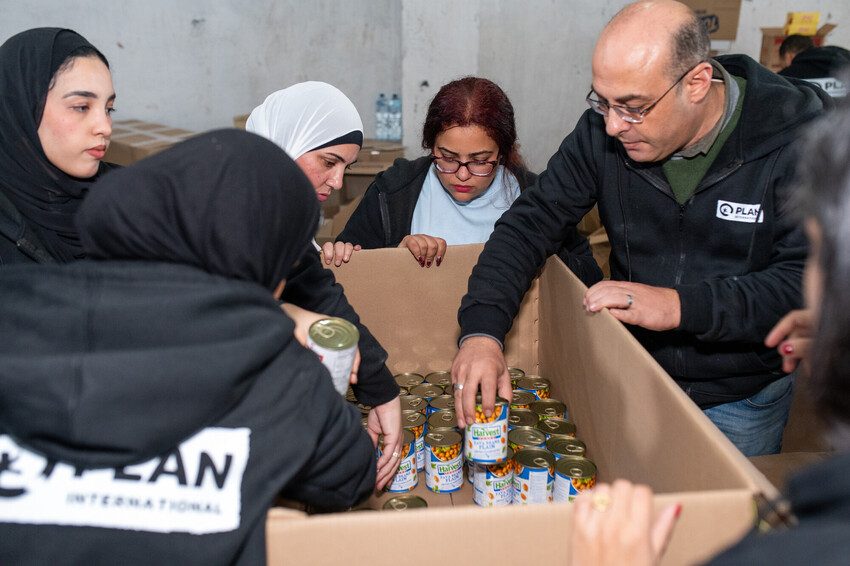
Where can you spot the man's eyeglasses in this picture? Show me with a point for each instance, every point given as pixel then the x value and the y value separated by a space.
pixel 627 113
pixel 476 168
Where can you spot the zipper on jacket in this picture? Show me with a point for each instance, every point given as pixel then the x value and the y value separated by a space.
pixel 385 217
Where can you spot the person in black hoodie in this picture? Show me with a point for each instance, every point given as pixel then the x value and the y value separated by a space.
pixel 819 496
pixel 55 125
pixel 824 66
pixel 456 194
pixel 153 400
pixel 689 160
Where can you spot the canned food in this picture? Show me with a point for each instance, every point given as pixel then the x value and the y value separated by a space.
pixel 443 421
pixel 534 476
pixel 549 408
pixel 557 427
pixel 349 395
pixel 365 421
pixel 540 386
pixel 427 391
pixel 439 378
pixel 413 403
pixel 335 340
pixel 515 374
pixel 364 409
pixel 487 437
pixel 522 418
pixel 520 438
pixel 405 502
pixel 415 423
pixel 444 466
pixel 403 391
pixel 522 399
pixel 440 403
pixel 406 477
pixel 561 446
pixel 494 483
pixel 408 379
pixel 573 474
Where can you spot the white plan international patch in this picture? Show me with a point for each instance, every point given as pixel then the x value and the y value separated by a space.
pixel 739 212
pixel 196 488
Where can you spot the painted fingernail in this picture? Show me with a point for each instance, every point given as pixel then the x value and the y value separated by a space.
pixel 678 511
pixel 788 349
pixel 428 263
pixel 439 261
pixel 421 262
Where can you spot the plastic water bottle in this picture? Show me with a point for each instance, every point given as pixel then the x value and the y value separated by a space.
pixel 394 128
pixel 382 116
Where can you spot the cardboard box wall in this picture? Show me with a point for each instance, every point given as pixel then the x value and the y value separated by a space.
pixel 636 421
pixel 720 16
pixel 771 39
pixel 133 140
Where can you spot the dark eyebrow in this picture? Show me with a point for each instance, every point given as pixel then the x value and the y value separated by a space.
pixel 621 100
pixel 86 94
pixel 482 152
pixel 337 157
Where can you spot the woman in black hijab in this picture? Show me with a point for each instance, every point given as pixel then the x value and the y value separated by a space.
pixel 168 360
pixel 56 97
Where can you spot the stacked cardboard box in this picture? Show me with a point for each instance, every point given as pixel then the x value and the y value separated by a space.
pixel 636 421
pixel 133 140
pixel 772 38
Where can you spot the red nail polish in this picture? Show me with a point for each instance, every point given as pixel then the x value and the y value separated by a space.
pixel 788 349
pixel 428 263
pixel 421 262
pixel 678 510
pixel 439 261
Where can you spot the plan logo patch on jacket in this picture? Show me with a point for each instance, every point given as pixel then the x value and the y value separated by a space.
pixel 195 488
pixel 739 212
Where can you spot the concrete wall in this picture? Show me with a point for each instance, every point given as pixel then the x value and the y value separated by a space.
pixel 195 63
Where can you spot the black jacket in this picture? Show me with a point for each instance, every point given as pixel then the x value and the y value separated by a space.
pixel 735 276
pixel 383 217
pixel 18 242
pixel 820 498
pixel 150 413
pixel 818 63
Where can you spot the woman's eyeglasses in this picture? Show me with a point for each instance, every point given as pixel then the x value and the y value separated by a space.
pixel 475 168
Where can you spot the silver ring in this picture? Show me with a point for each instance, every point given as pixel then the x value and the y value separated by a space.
pixel 630 300
pixel 458 386
pixel 396 454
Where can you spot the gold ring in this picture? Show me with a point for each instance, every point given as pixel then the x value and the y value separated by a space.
pixel 600 502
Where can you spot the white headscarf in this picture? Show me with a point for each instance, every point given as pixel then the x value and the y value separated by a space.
pixel 304 117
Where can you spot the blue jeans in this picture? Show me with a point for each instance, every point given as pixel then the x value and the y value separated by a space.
pixel 755 425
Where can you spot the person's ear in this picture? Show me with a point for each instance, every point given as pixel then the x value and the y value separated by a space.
pixel 698 81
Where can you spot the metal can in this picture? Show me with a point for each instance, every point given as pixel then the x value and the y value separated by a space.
pixel 515 374
pixel 522 418
pixel 540 386
pixel 413 403
pixel 549 408
pixel 443 421
pixel 439 378
pixel 364 409
pixel 494 483
pixel 522 399
pixel 444 464
pixel 408 379
pixel 487 437
pixel 520 438
pixel 534 476
pixel 335 340
pixel 573 474
pixel 406 477
pixel 365 421
pixel 349 395
pixel 403 391
pixel 557 427
pixel 562 446
pixel 405 502
pixel 427 391
pixel 440 403
pixel 415 423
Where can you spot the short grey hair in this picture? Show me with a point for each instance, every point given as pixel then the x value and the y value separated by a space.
pixel 691 46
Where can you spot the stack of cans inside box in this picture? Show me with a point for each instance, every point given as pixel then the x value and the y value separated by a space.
pixel 525 452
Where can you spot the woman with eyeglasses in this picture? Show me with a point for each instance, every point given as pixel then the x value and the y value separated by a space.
pixel 457 193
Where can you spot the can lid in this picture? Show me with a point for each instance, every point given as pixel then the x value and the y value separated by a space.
pixel 427 390
pixel 523 417
pixel 534 383
pixel 522 397
pixel 535 458
pixel 334 333
pixel 414 402
pixel 499 400
pixel 557 427
pixel 575 467
pixel 551 407
pixel 405 502
pixel 566 446
pixel 441 378
pixel 516 372
pixel 443 419
pixel 443 402
pixel 442 438
pixel 408 379
pixel 412 419
pixel 526 437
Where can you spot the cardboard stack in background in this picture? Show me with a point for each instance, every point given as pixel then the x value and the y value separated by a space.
pixel 133 140
pixel 721 19
pixel 802 23
pixel 636 421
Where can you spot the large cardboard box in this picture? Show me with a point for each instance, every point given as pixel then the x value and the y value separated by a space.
pixel 380 150
pixel 133 140
pixel 359 176
pixel 772 38
pixel 636 421
pixel 720 16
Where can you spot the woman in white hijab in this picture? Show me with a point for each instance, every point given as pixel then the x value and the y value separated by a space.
pixel 319 127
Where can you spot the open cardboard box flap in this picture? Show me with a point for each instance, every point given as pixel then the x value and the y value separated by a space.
pixel 637 424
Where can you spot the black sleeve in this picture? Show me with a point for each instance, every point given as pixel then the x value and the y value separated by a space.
pixel 365 227
pixel 536 226
pixel 312 287
pixel 578 256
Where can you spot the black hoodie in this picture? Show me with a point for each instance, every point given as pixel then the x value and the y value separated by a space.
pixel 733 251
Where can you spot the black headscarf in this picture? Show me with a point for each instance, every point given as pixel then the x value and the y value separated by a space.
pixel 228 201
pixel 46 197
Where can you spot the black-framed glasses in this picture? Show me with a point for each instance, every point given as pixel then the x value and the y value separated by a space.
pixel 475 168
pixel 627 113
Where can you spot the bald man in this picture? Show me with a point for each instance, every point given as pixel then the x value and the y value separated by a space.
pixel 689 159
